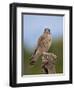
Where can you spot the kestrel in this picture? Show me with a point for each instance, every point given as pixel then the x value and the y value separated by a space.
pixel 43 45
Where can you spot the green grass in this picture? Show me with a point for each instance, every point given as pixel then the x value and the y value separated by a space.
pixel 56 48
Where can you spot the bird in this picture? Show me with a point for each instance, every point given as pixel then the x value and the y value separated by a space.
pixel 43 44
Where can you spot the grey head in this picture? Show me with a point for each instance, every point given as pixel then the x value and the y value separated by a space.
pixel 47 30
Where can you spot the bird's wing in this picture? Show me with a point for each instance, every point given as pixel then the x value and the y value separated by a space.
pixel 41 41
pixel 39 44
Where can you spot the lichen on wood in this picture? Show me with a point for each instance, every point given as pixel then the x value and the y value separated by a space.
pixel 48 63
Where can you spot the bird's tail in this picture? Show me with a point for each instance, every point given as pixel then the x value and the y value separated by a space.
pixel 32 61
pixel 34 57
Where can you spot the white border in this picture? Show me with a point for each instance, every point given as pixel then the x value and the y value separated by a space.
pixel 50 77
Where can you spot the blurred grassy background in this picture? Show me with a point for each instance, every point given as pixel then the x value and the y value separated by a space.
pixel 56 48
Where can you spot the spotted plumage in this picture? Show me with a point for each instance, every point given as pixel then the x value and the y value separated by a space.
pixel 43 45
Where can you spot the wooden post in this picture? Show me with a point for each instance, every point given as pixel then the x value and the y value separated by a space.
pixel 48 63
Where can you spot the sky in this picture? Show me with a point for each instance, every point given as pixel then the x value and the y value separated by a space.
pixel 34 25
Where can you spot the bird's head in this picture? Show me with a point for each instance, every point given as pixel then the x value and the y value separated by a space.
pixel 47 31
